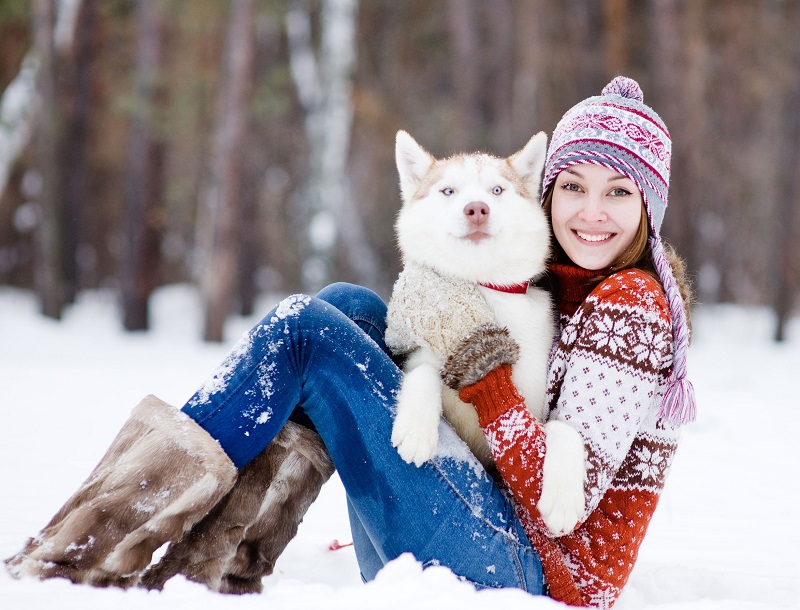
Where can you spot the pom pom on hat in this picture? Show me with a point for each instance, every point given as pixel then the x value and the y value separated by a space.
pixel 625 87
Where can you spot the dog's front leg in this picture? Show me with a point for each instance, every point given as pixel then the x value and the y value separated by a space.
pixel 415 433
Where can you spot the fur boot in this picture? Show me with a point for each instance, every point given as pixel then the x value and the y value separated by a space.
pixel 162 474
pixel 240 540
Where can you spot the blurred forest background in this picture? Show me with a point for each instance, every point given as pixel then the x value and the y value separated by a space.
pixel 247 146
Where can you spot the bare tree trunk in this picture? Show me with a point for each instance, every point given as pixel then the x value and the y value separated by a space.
pixel 677 34
pixel 249 241
pixel 78 118
pixel 504 136
pixel 789 193
pixel 144 187
pixel 531 52
pixel 49 271
pixel 463 23
pixel 616 28
pixel 219 237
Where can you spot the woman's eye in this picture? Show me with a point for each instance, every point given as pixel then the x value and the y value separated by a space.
pixel 498 190
pixel 447 191
pixel 620 192
pixel 570 186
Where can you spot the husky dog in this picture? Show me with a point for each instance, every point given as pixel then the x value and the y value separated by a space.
pixel 472 235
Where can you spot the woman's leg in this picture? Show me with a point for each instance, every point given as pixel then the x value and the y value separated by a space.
pixel 307 352
pixel 256 376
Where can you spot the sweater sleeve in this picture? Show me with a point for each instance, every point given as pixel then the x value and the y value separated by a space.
pixel 515 437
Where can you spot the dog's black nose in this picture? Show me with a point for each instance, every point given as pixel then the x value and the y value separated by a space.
pixel 476 212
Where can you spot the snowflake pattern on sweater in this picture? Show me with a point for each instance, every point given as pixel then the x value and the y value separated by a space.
pixel 608 371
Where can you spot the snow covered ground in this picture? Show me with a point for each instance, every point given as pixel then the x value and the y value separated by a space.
pixel 725 535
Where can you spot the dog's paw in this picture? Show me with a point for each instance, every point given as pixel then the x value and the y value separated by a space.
pixel 415 444
pixel 415 432
pixel 562 502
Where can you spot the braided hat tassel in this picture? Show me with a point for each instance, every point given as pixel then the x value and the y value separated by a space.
pixel 679 404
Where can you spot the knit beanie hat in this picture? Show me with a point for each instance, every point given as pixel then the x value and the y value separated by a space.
pixel 618 131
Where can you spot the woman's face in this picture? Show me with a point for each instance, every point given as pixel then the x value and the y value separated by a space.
pixel 595 213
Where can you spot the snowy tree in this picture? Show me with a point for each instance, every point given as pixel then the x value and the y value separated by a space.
pixel 19 102
pixel 324 86
pixel 17 112
pixel 53 34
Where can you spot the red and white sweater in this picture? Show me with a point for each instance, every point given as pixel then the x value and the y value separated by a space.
pixel 608 372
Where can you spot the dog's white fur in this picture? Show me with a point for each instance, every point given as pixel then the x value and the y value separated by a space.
pixel 433 232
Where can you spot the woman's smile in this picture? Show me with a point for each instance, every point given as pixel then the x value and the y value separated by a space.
pixel 593 237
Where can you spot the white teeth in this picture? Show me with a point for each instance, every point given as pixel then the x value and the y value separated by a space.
pixel 589 237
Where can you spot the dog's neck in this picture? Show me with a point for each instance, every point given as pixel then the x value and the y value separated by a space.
pixel 512 288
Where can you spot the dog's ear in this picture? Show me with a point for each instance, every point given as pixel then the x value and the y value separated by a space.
pixel 413 162
pixel 529 162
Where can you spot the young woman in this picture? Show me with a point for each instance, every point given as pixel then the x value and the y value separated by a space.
pixel 230 475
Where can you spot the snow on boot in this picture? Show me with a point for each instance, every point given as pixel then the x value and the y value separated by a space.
pixel 239 541
pixel 162 474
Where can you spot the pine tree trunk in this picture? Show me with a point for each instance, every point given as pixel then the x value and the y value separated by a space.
pixel 680 94
pixel 219 237
pixel 144 184
pixel 504 137
pixel 530 60
pixel 49 271
pixel 789 192
pixel 78 117
pixel 616 24
pixel 463 25
pixel 249 241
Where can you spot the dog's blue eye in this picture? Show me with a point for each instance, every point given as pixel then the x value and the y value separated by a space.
pixel 447 191
pixel 497 190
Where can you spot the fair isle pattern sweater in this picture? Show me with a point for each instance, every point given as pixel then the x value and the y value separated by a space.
pixel 607 375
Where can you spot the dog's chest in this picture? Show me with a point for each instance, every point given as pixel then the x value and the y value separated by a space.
pixel 529 319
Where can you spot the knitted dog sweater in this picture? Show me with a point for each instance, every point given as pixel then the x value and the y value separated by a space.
pixel 607 375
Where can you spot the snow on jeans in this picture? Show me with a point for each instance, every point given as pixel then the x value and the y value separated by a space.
pixel 326 354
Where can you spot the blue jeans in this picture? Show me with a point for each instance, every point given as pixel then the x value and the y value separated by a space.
pixel 326 354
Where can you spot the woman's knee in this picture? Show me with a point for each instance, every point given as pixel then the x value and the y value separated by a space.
pixel 343 294
pixel 362 305
pixel 356 302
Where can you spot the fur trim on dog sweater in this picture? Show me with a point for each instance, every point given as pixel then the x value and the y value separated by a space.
pixel 607 375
